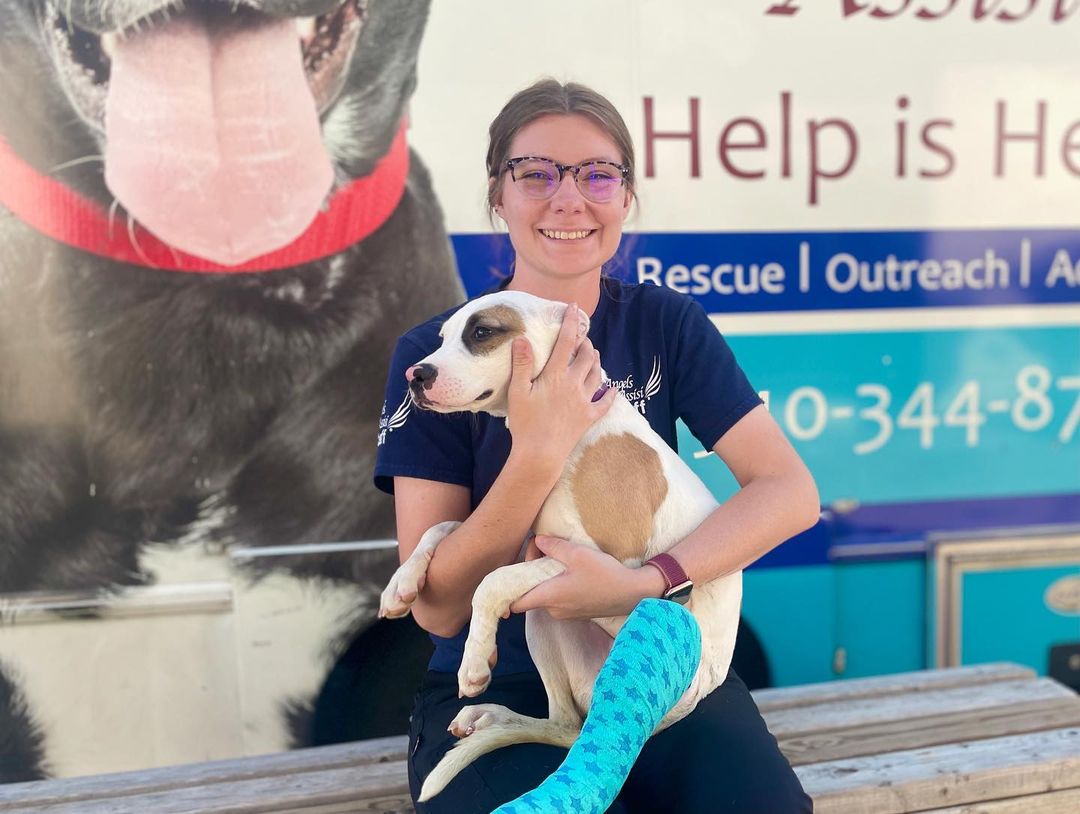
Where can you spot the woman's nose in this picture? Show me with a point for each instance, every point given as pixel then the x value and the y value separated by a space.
pixel 567 195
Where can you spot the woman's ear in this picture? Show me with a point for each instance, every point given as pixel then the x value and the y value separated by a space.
pixel 497 206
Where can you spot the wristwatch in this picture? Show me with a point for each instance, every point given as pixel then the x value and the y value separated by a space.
pixel 679 585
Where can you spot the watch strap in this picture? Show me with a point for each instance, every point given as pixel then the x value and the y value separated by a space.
pixel 674 575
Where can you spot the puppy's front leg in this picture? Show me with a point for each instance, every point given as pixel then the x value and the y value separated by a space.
pixel 491 602
pixel 404 586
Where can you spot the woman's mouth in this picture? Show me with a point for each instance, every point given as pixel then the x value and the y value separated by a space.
pixel 555 234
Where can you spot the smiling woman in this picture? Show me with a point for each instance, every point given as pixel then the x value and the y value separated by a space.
pixel 561 177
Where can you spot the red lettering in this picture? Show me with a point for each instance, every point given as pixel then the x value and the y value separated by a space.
pixel 981 10
pixel 817 172
pixel 727 145
pixel 1012 17
pixel 852 7
pixel 784 9
pixel 1060 13
pixel 785 134
pixel 1071 144
pixel 652 136
pixel 923 14
pixel 882 14
pixel 901 140
pixel 1038 137
pixel 937 147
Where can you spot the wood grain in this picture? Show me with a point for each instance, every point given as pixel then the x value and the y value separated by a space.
pixel 953 774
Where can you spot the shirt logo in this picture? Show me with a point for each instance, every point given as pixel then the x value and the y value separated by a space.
pixel 639 396
pixel 388 424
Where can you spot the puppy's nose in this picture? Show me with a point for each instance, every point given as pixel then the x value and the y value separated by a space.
pixel 422 375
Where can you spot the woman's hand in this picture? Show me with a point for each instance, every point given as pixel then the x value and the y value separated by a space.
pixel 593 585
pixel 548 416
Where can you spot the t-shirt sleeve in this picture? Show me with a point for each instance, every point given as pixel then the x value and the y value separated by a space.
pixel 711 391
pixel 419 443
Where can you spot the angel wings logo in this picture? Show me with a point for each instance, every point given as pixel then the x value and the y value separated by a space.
pixel 639 396
pixel 389 423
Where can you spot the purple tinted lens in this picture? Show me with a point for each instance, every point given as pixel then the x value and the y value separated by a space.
pixel 538 178
pixel 598 182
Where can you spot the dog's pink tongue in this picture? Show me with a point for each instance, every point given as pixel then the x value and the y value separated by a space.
pixel 213 137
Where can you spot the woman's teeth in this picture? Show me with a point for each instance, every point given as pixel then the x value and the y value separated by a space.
pixel 565 235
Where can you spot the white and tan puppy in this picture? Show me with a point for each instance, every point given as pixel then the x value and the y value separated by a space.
pixel 658 501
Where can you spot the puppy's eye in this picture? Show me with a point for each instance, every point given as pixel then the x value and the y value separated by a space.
pixel 481 332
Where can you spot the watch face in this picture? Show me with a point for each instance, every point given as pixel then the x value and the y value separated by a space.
pixel 680 593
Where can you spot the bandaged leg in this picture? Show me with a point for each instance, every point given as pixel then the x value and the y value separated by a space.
pixel 652 662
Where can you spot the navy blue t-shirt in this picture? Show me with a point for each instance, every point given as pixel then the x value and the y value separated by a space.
pixel 656 345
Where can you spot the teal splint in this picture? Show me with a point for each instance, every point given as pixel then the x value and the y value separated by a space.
pixel 651 664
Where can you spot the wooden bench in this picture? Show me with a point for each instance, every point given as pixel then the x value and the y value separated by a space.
pixel 992 739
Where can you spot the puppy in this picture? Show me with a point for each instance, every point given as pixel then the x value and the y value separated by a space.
pixel 659 501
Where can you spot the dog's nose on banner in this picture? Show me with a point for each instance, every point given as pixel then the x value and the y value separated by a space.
pixel 422 376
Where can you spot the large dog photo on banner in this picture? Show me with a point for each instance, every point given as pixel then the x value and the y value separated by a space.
pixel 212 230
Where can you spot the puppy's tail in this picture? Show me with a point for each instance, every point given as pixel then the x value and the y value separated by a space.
pixel 490 738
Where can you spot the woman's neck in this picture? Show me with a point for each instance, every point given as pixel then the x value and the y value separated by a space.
pixel 583 290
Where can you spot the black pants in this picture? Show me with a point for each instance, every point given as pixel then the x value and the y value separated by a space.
pixel 720 758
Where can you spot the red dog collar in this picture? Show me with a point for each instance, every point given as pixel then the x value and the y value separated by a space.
pixel 354 212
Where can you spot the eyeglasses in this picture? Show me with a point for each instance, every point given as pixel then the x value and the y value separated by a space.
pixel 538 178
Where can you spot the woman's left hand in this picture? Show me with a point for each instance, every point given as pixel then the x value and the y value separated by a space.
pixel 593 585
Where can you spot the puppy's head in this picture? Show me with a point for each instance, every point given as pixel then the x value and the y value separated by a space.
pixel 471 370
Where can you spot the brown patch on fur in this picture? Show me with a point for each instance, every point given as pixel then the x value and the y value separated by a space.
pixel 502 324
pixel 618 485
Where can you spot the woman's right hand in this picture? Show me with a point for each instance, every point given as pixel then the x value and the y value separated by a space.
pixel 548 415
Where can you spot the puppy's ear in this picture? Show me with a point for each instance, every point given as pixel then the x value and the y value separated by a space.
pixel 557 311
pixel 583 323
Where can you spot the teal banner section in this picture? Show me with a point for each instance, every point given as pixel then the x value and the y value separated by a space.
pixel 920 414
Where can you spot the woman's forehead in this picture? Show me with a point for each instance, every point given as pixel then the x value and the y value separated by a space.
pixel 566 138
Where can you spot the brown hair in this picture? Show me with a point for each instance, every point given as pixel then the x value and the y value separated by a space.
pixel 545 98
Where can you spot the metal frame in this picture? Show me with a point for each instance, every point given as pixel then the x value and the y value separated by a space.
pixel 954 557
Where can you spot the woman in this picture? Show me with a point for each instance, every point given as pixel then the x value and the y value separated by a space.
pixel 561 177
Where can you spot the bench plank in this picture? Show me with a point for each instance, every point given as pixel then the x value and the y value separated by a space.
pixel 863 711
pixel 314 792
pixel 914 733
pixel 317 758
pixel 922 779
pixel 896 684
pixel 1056 802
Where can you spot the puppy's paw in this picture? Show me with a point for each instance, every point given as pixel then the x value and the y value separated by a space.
pixel 403 588
pixel 474 718
pixel 474 674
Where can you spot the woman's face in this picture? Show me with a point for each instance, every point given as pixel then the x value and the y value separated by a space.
pixel 537 227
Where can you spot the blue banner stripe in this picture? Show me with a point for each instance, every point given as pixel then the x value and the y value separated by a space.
pixel 803 271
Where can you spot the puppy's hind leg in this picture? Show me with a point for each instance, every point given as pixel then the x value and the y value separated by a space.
pixel 484 728
pixel 404 586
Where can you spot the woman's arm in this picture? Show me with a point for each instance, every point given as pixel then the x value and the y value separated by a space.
pixel 548 416
pixel 778 499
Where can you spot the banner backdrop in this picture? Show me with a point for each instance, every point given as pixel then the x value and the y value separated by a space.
pixel 878 203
